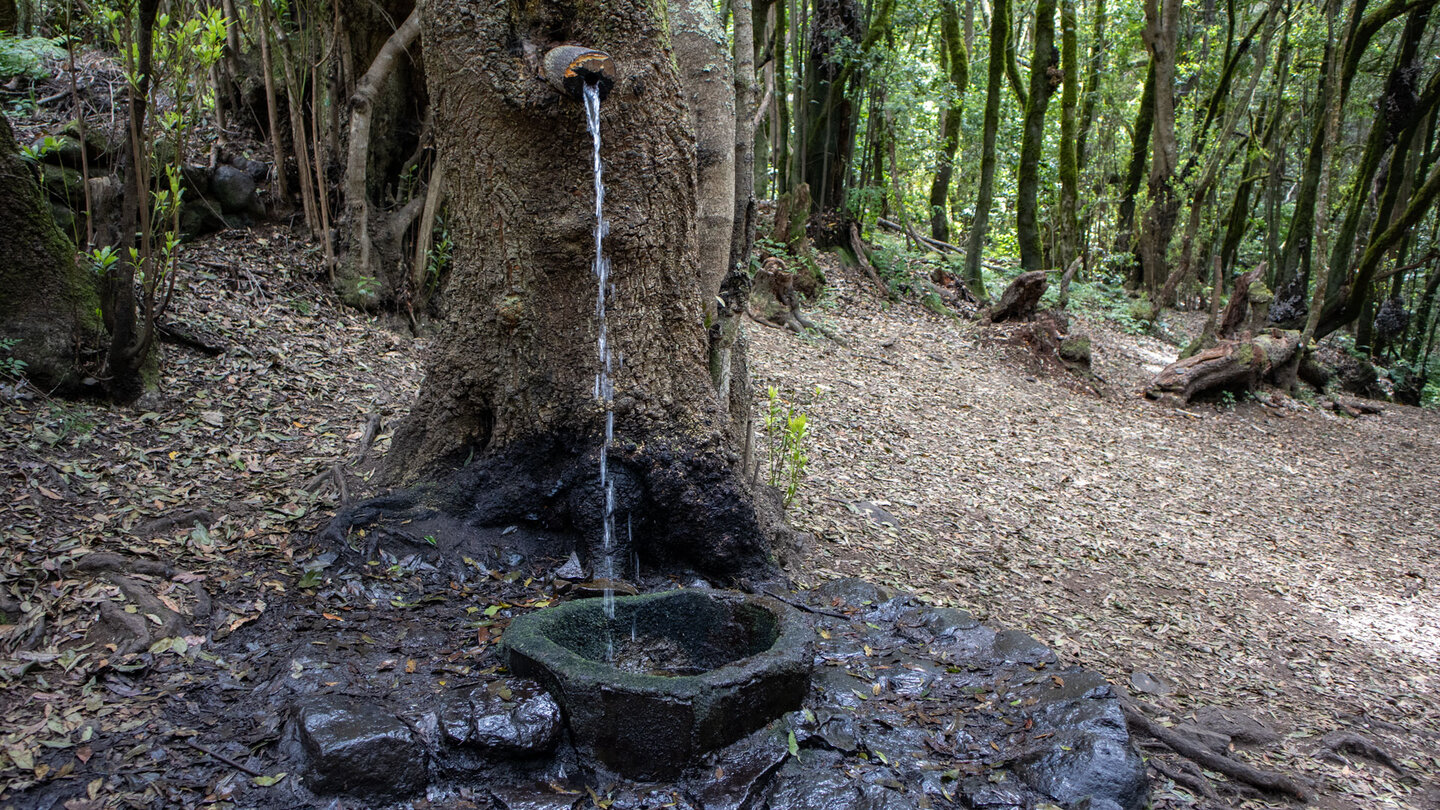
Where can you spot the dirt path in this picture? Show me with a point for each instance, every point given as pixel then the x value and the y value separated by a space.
pixel 1278 561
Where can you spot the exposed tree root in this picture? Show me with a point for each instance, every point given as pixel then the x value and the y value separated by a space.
pixel 160 525
pixel 152 619
pixel 1196 784
pixel 1239 771
pixel 1340 742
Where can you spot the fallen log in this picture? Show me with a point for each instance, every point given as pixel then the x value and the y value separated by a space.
pixel 1231 365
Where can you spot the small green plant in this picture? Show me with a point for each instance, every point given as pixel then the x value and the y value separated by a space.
pixel 11 367
pixel 102 259
pixel 785 431
pixel 365 286
pixel 49 144
pixel 1227 399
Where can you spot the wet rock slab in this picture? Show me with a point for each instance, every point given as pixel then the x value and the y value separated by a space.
pixel 922 706
pixel 356 747
pixel 909 706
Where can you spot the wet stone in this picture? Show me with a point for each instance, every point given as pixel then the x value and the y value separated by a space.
pixel 1016 647
pixel 849 592
pixel 1078 766
pixel 739 773
pixel 508 717
pixel 358 748
pixel 234 190
pixel 984 794
pixel 815 781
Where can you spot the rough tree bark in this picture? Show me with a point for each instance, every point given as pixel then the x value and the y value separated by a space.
pixel 957 62
pixel 1069 161
pixel 508 416
pixel 1162 33
pixel 47 303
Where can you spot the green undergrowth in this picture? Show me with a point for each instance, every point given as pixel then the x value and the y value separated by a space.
pixel 26 56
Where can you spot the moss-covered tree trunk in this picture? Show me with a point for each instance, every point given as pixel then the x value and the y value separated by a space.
pixel 1044 78
pixel 957 65
pixel 1162 37
pixel 510 394
pixel 48 305
pixel 994 74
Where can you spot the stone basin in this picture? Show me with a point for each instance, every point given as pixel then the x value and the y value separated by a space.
pixel 692 671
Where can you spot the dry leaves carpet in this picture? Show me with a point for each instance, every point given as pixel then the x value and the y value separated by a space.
pixel 1278 560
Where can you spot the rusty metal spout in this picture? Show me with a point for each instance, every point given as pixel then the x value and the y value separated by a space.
pixel 570 67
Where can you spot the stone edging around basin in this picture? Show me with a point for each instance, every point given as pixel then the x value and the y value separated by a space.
pixel 910 706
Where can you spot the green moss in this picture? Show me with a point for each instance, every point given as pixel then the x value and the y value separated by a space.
pixel 1075 350
pixel 1246 353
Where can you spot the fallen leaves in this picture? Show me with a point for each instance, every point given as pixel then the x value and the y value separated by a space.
pixel 1281 566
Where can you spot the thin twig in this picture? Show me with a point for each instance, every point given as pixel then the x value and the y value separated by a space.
pixel 227 760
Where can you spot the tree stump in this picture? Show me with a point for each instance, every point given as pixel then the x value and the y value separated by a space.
pixel 1020 298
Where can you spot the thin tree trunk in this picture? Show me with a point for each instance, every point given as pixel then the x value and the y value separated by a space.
pixel 1139 154
pixel 953 49
pixel 1092 87
pixel 1069 227
pixel 357 202
pixel 272 104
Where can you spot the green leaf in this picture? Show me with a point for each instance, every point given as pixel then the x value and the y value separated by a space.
pixel 792 744
pixel 267 781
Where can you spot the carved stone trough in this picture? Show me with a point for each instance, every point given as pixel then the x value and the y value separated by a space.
pixel 692 671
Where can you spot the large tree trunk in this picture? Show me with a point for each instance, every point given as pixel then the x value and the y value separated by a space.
pixel 508 416
pixel 47 303
pixel 1162 33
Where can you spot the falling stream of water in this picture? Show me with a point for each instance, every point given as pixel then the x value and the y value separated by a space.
pixel 604 388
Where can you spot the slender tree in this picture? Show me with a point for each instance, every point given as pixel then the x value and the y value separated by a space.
pixel 1045 76
pixel 995 74
pixel 1069 228
pixel 957 62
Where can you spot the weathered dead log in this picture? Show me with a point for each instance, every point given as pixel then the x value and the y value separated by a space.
pixel 863 257
pixel 1231 365
pixel 1020 298
pixel 1065 282
pixel 1354 408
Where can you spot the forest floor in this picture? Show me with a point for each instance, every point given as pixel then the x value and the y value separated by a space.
pixel 1274 559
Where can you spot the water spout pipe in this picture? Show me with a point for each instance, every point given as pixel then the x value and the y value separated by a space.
pixel 570 67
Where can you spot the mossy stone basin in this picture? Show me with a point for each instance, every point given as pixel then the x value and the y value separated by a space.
pixel 692 671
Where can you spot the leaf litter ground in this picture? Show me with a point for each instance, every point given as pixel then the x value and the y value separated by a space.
pixel 1276 560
